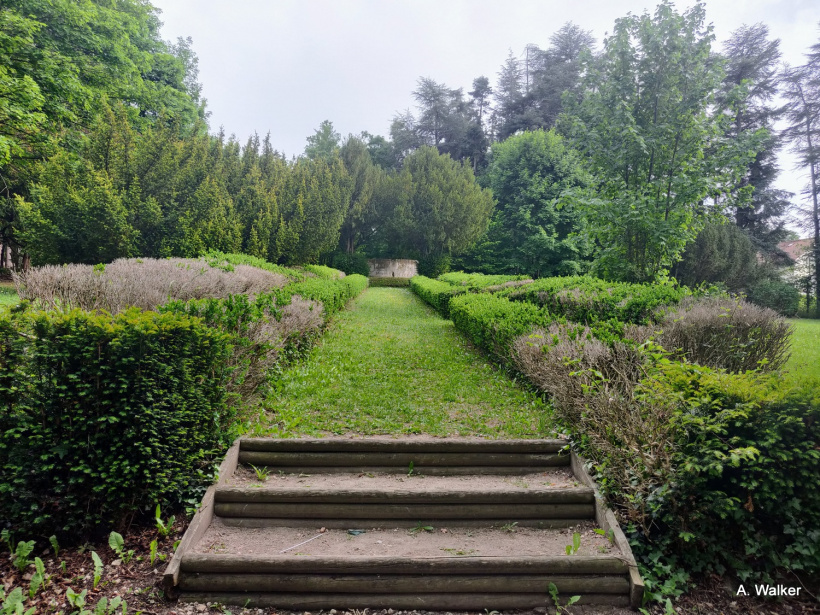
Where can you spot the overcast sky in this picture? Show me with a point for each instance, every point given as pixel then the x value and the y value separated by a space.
pixel 284 66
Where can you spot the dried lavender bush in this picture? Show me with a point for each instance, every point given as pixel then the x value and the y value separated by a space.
pixel 594 390
pixel 264 342
pixel 511 284
pixel 723 333
pixel 146 283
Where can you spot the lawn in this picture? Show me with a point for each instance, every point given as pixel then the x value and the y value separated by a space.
pixel 389 364
pixel 804 363
pixel 8 296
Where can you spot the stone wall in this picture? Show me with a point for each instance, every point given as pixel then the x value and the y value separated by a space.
pixel 392 267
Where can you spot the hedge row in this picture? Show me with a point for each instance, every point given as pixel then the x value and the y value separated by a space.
pixel 435 293
pixel 103 416
pixel 478 280
pixel 493 323
pixel 332 293
pixel 587 300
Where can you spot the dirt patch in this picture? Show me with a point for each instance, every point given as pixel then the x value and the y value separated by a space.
pixel 422 541
pixel 554 478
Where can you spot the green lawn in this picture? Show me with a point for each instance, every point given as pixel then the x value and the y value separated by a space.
pixel 804 363
pixel 389 364
pixel 8 296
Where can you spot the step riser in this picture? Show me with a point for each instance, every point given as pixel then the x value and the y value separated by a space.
pixel 402 584
pixel 581 495
pixel 431 602
pixel 345 524
pixel 409 511
pixel 393 445
pixel 420 461
pixel 562 565
pixel 426 471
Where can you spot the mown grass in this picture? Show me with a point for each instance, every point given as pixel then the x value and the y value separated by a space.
pixel 8 296
pixel 389 364
pixel 804 363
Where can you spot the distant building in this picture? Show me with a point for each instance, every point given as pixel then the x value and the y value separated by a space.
pixel 802 273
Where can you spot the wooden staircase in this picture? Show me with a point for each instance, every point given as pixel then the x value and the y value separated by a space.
pixel 502 507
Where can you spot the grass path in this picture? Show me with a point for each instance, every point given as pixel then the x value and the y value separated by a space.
pixel 8 296
pixel 389 364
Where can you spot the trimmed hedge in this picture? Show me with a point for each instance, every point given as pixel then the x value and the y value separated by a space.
pixel 390 282
pixel 587 300
pixel 478 280
pixel 102 416
pixel 224 260
pixel 493 323
pixel 332 293
pixel 436 294
pixel 321 271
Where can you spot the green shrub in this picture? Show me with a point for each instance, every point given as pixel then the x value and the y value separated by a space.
pixel 776 295
pixel 587 300
pixel 492 323
pixel 102 416
pixel 713 472
pixel 351 263
pixel 225 261
pixel 332 293
pixel 390 282
pixel 745 495
pixel 326 273
pixel 436 294
pixel 478 280
pixel 434 265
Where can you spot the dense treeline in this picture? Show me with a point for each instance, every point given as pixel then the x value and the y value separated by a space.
pixel 622 158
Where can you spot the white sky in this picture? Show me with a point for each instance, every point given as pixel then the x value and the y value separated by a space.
pixel 284 66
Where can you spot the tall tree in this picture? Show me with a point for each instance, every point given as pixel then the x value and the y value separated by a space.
pixel 509 97
pixel 363 175
pixel 802 91
pixel 645 129
pixel 532 235
pixel 323 143
pixel 747 98
pixel 444 210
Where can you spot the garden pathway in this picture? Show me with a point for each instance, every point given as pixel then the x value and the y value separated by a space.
pixel 391 365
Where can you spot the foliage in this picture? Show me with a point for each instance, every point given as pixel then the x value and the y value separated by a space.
pixel 434 207
pixel 333 294
pixel 643 126
pixel 434 265
pixel 326 273
pixel 720 254
pixel 777 295
pixel 724 333
pixel 529 232
pixel 492 323
pixel 104 415
pixel 350 263
pixel 228 262
pixel 435 293
pixel 696 459
pixel 389 282
pixel 588 300
pixel 478 280
pixel 142 282
pixel 389 366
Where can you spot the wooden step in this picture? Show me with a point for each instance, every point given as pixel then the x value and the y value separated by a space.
pixel 446 524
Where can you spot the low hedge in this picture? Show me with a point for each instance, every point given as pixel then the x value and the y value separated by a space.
pixel 103 416
pixel 390 282
pixel 437 294
pixel 587 300
pixel 332 293
pixel 492 323
pixel 321 271
pixel 478 280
